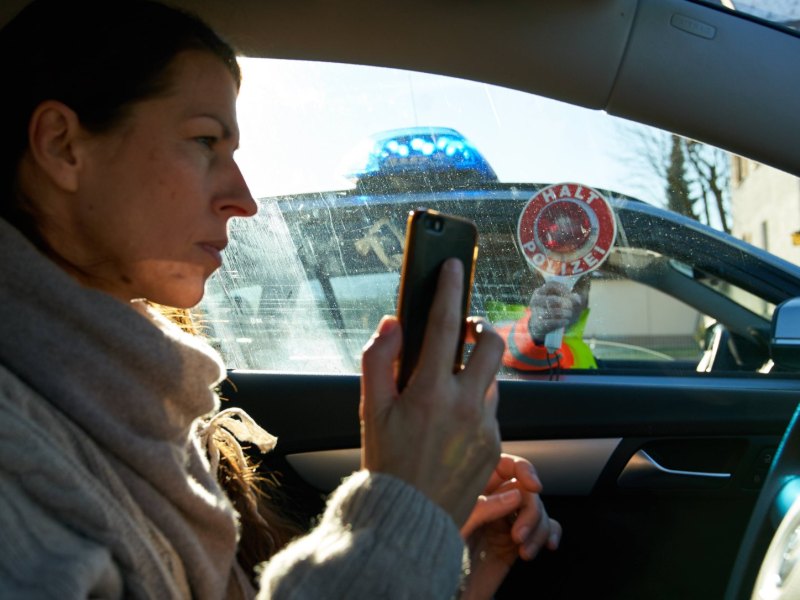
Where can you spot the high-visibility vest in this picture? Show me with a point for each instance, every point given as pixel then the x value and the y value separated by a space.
pixel 524 354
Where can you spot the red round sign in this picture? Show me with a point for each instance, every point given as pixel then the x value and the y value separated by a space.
pixel 566 229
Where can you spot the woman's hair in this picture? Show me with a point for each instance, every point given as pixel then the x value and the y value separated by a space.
pixel 266 524
pixel 98 57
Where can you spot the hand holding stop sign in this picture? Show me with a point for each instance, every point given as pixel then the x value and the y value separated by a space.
pixel 565 231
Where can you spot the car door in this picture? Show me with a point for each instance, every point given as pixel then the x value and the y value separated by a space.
pixel 652 467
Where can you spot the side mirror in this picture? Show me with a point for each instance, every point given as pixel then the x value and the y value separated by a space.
pixel 784 340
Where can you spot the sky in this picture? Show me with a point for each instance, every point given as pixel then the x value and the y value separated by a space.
pixel 299 120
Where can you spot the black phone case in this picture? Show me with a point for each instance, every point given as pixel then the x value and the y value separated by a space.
pixel 431 238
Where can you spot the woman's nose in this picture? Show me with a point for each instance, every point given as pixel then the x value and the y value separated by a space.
pixel 236 197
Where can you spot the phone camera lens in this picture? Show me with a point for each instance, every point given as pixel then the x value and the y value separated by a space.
pixel 438 225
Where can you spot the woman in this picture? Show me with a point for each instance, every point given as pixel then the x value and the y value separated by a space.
pixel 118 182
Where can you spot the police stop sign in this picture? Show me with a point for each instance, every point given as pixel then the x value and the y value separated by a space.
pixel 566 230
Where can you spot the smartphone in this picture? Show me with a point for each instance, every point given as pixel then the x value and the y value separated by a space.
pixel 431 238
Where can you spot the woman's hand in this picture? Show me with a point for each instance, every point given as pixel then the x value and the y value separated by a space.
pixel 508 521
pixel 440 434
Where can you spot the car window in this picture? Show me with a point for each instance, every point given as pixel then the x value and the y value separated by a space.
pixel 337 155
pixel 781 13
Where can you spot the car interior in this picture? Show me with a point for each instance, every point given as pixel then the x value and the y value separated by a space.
pixel 674 473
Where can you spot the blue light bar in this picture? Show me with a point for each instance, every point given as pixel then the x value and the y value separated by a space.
pixel 418 151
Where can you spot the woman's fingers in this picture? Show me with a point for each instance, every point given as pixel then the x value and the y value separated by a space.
pixel 378 386
pixel 444 321
pixel 555 535
pixel 378 389
pixel 517 469
pixel 490 508
pixel 546 535
pixel 533 529
pixel 484 361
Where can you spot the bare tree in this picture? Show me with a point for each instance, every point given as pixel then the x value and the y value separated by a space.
pixel 695 178
pixel 712 168
pixel 677 190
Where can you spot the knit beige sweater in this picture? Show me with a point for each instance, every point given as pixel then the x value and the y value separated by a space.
pixel 105 491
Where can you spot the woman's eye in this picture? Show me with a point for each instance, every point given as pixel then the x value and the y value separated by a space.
pixel 206 140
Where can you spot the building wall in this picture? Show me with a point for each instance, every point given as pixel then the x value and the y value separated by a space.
pixel 626 315
pixel 768 225
pixel 622 307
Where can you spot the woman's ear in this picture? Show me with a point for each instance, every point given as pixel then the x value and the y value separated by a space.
pixel 53 137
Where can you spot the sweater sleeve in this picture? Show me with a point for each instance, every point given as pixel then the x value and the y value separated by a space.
pixel 378 538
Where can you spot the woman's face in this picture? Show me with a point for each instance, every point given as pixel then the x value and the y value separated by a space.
pixel 150 216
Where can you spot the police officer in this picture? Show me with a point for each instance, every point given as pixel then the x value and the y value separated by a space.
pixel 552 306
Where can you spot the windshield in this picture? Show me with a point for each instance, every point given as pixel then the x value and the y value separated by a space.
pixel 339 154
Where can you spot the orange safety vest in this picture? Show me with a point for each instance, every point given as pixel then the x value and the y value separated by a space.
pixel 524 354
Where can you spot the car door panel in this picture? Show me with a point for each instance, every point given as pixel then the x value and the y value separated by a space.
pixel 566 467
pixel 629 531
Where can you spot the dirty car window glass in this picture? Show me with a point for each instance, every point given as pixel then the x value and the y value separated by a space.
pixel 338 155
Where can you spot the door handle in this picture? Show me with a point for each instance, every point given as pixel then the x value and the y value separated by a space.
pixel 643 471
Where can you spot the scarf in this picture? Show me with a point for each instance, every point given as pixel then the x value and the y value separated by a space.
pixel 137 386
